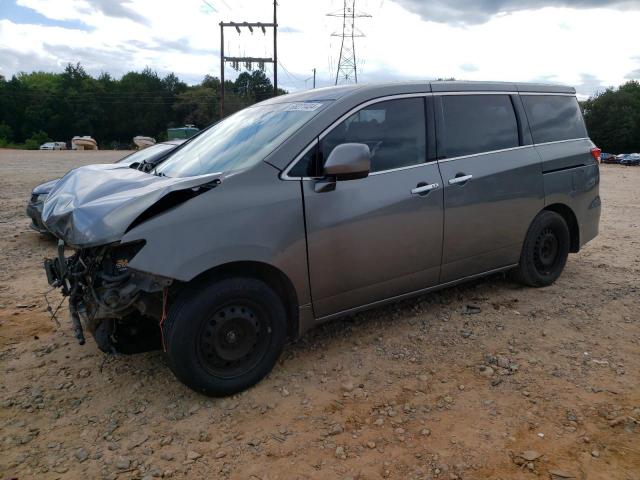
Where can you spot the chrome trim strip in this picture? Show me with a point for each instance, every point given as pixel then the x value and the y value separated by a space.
pixel 412 294
pixel 409 167
pixel 474 92
pixel 484 153
pixel 562 141
pixel 557 94
pixel 285 174
pixel 512 148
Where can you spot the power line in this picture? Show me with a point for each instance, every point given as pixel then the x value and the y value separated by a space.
pixel 209 5
pixel 291 77
pixel 202 99
pixel 92 94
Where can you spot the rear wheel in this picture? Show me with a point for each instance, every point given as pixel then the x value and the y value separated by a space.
pixel 545 250
pixel 224 336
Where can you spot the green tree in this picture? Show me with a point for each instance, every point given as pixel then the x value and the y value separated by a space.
pixel 112 110
pixel 255 85
pixel 198 106
pixel 211 82
pixel 35 140
pixel 613 118
pixel 6 133
pixel 173 85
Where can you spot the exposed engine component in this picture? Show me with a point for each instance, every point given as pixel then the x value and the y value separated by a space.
pixel 106 297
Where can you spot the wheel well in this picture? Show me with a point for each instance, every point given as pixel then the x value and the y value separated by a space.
pixel 269 274
pixel 572 223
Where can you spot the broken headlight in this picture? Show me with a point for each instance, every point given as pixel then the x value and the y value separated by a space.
pixel 38 197
pixel 121 255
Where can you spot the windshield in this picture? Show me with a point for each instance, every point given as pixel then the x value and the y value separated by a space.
pixel 239 141
pixel 147 153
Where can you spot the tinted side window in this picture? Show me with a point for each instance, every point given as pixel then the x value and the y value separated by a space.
pixel 394 130
pixel 554 117
pixel 475 124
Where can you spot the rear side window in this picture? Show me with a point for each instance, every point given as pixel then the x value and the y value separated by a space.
pixel 473 124
pixel 394 130
pixel 554 117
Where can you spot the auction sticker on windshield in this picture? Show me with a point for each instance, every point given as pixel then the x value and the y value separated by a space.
pixel 303 106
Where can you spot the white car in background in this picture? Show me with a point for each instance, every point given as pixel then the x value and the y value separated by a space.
pixel 144 160
pixel 53 146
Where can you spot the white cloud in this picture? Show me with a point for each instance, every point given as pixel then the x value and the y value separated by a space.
pixel 562 45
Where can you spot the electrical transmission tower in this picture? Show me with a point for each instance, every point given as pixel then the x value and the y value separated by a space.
pixel 347 66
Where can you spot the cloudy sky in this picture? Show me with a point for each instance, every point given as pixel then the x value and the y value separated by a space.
pixel 590 44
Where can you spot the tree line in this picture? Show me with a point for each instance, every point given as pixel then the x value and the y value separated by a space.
pixel 613 118
pixel 42 106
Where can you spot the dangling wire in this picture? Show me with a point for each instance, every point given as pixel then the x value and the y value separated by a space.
pixel 163 317
pixel 52 311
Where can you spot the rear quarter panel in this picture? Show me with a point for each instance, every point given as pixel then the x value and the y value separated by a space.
pixel 572 177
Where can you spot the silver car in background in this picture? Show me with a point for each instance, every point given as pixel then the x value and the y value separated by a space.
pixel 318 204
pixel 143 157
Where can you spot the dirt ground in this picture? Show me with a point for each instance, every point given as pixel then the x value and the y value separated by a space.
pixel 488 380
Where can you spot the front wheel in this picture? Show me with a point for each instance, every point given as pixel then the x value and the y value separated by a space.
pixel 224 336
pixel 545 250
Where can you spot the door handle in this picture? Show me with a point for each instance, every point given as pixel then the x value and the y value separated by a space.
pixel 422 188
pixel 462 179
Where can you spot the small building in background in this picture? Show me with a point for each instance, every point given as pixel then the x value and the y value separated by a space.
pixel 181 132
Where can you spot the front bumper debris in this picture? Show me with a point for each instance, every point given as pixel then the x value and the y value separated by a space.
pixel 58 276
pixel 101 287
pixel 34 212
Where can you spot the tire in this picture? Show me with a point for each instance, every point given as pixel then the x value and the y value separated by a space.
pixel 224 336
pixel 545 250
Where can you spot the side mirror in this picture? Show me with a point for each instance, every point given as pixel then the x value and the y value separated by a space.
pixel 348 161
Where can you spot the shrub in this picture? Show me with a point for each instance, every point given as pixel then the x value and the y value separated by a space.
pixel 6 134
pixel 35 140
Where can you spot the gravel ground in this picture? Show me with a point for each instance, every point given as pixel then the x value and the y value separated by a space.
pixel 485 380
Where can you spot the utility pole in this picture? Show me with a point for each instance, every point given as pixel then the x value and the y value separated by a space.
pixel 275 48
pixel 248 62
pixel 311 77
pixel 347 66
pixel 221 71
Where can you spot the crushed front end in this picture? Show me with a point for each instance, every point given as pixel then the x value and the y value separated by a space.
pixel 121 307
pixel 91 209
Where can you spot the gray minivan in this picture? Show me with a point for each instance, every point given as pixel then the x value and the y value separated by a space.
pixel 318 204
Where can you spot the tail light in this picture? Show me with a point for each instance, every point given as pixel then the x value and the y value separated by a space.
pixel 595 153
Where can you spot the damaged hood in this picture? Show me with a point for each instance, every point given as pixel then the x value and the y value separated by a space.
pixel 94 205
pixel 45 187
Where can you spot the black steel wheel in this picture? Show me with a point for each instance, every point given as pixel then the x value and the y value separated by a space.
pixel 545 250
pixel 233 339
pixel 224 336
